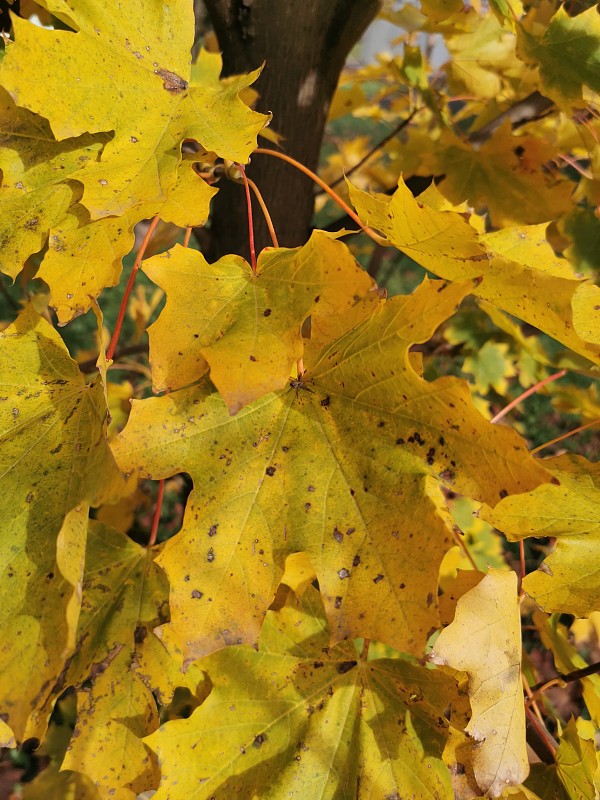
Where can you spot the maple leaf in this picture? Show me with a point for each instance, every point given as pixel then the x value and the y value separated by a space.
pixel 572 776
pixel 128 71
pixel 119 664
pixel 568 580
pixel 245 326
pixel 55 457
pixel 384 720
pixel 512 278
pixel 567 54
pixel 335 465
pixel 35 195
pixel 484 640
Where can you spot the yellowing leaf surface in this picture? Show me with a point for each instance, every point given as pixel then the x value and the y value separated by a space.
pixel 484 640
pixel 513 279
pixel 568 580
pixel 127 70
pixel 334 465
pixel 324 724
pixel 54 456
pixel 246 327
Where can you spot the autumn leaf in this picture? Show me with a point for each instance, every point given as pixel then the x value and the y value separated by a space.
pixel 383 719
pixel 246 328
pixel 342 465
pixel 567 55
pixel 54 457
pixel 484 640
pixel 568 580
pixel 512 279
pixel 119 665
pixel 128 71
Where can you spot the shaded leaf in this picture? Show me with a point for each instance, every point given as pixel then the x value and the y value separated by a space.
pixel 324 724
pixel 54 457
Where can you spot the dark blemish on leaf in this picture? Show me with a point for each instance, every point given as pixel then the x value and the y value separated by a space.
pixel 350 531
pixel 399 441
pixel 197 594
pixel 258 740
pixel 343 573
pixel 337 602
pixel 31 224
pixel 381 424
pixel 285 449
pixel 395 534
pixel 442 441
pixel 317 298
pixel 270 471
pixel 403 586
pixel 430 455
pixel 50 575
pixel 352 492
pixel 311 488
pixel 267 312
pixel 252 358
pixel 140 634
pixel 418 438
pixel 171 82
pixel 356 561
pixel 318 664
pixel 29 497
pixel 346 666
pixel 503 493
pixel 57 449
pixel 186 578
pixel 243 751
pixel 447 475
pixel 338 535
pixel 210 556
pixel 307 506
pixel 212 531
pixel 133 139
pixel 442 287
pixel 378 578
pixel 429 599
pixel 325 401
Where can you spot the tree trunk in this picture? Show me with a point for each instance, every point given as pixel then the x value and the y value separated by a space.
pixel 304 45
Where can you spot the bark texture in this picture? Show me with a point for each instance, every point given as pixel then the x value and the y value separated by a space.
pixel 304 45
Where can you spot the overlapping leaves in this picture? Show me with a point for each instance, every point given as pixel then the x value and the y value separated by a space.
pixel 343 465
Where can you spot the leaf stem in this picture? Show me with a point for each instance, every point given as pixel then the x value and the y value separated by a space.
pixel 528 393
pixel 128 289
pixel 250 220
pixel 463 546
pixel 365 649
pixel 341 203
pixel 541 731
pixel 265 211
pixel 157 510
pixel 565 435
pixel 187 237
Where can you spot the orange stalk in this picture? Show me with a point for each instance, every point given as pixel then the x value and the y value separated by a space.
pixel 128 289
pixel 566 435
pixel 187 237
pixel 528 393
pixel 334 196
pixel 250 220
pixel 265 211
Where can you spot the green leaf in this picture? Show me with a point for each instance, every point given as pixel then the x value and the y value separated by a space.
pixel 567 54
pixel 325 723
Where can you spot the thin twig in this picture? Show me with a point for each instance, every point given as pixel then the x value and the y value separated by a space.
pixel 90 364
pixel 394 132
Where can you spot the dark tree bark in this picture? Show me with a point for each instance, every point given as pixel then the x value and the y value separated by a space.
pixel 304 44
